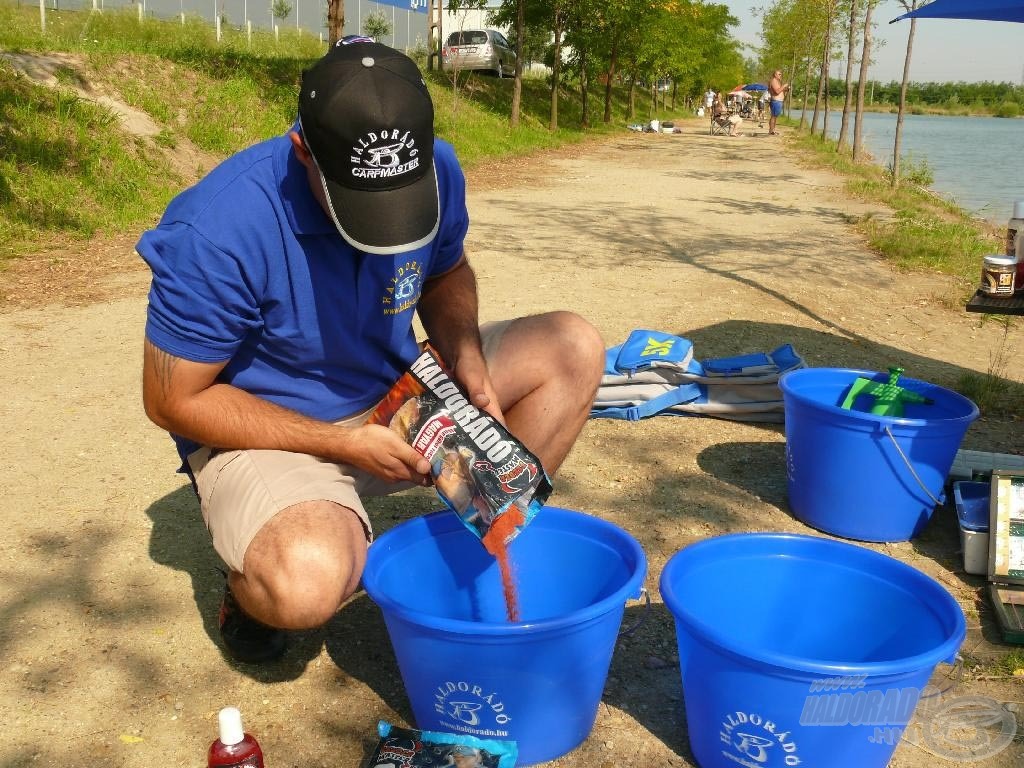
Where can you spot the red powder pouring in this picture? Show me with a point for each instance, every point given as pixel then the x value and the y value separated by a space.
pixel 496 542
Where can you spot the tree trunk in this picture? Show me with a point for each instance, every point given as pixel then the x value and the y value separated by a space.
pixel 825 66
pixel 903 102
pixel 865 62
pixel 844 126
pixel 517 85
pixel 335 21
pixel 818 97
pixel 807 89
pixel 584 92
pixel 610 76
pixel 556 69
pixel 792 79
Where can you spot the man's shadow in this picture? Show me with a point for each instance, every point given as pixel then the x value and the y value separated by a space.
pixel 179 539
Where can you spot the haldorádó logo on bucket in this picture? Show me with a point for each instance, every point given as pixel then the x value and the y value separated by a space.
pixel 411 748
pixel 468 708
pixel 754 740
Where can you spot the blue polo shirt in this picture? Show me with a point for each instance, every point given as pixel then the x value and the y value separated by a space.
pixel 247 268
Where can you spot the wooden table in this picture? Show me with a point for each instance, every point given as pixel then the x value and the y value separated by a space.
pixel 982 302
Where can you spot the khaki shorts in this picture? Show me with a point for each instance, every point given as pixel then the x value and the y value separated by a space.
pixel 240 491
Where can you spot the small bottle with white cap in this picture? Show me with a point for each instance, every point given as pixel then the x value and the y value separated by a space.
pixel 235 748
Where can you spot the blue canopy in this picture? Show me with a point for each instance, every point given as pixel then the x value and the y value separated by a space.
pixel 755 87
pixel 983 10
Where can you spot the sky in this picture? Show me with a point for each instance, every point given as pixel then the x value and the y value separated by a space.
pixel 945 50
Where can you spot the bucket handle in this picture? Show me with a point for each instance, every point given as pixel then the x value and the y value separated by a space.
pixel 938 502
pixel 956 675
pixel 643 616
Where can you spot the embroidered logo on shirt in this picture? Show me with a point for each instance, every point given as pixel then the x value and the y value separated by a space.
pixel 384 154
pixel 404 291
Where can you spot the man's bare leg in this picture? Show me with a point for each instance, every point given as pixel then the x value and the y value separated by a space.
pixel 546 371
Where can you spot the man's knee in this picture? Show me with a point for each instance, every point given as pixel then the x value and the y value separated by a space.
pixel 305 589
pixel 576 343
pixel 302 573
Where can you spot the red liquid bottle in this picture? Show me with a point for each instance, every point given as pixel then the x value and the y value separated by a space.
pixel 234 748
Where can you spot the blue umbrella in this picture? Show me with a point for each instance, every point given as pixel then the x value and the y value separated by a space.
pixel 755 87
pixel 984 10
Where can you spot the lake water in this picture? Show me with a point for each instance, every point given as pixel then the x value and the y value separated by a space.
pixel 978 162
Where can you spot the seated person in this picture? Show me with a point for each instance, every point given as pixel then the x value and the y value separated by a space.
pixel 731 122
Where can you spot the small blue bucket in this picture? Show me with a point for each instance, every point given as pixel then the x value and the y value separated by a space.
pixel 800 650
pixel 466 669
pixel 862 476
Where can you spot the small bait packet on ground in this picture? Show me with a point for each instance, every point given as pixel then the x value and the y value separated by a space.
pixel 480 470
pixel 409 748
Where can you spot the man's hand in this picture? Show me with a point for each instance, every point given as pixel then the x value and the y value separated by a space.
pixel 382 453
pixel 471 372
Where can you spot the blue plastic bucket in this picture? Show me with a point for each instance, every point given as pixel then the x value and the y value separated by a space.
pixel 466 669
pixel 799 650
pixel 861 476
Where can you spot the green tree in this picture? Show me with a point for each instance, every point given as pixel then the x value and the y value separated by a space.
pixel 281 9
pixel 377 25
pixel 794 31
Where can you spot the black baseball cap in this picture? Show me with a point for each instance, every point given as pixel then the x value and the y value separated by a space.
pixel 367 118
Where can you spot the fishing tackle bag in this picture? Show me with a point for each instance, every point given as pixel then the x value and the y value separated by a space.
pixel 654 372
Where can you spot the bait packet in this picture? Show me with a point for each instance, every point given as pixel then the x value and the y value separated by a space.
pixel 409 748
pixel 480 471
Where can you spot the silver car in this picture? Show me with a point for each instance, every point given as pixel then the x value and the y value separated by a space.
pixel 485 49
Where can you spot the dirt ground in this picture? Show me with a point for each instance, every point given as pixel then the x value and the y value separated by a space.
pixel 109 653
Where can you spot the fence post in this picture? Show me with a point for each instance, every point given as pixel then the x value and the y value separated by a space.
pixel 248 31
pixel 139 6
pixel 42 16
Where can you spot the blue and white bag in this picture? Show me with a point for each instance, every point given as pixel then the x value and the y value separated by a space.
pixel 654 372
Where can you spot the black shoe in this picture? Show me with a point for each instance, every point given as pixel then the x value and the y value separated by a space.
pixel 246 639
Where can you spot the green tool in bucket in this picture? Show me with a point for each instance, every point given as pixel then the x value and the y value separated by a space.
pixel 889 396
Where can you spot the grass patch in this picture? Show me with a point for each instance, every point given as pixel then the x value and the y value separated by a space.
pixel 1010 664
pixel 68 171
pixel 994 392
pixel 925 231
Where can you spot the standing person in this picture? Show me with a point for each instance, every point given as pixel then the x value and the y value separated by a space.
pixel 778 91
pixel 280 312
pixel 709 99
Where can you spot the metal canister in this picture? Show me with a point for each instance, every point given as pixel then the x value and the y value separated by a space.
pixel 998 275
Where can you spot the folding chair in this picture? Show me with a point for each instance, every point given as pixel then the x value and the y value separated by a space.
pixel 719 127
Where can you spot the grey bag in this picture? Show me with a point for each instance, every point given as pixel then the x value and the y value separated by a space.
pixel 654 372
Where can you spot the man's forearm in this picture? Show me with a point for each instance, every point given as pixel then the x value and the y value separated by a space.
pixel 449 312
pixel 227 417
